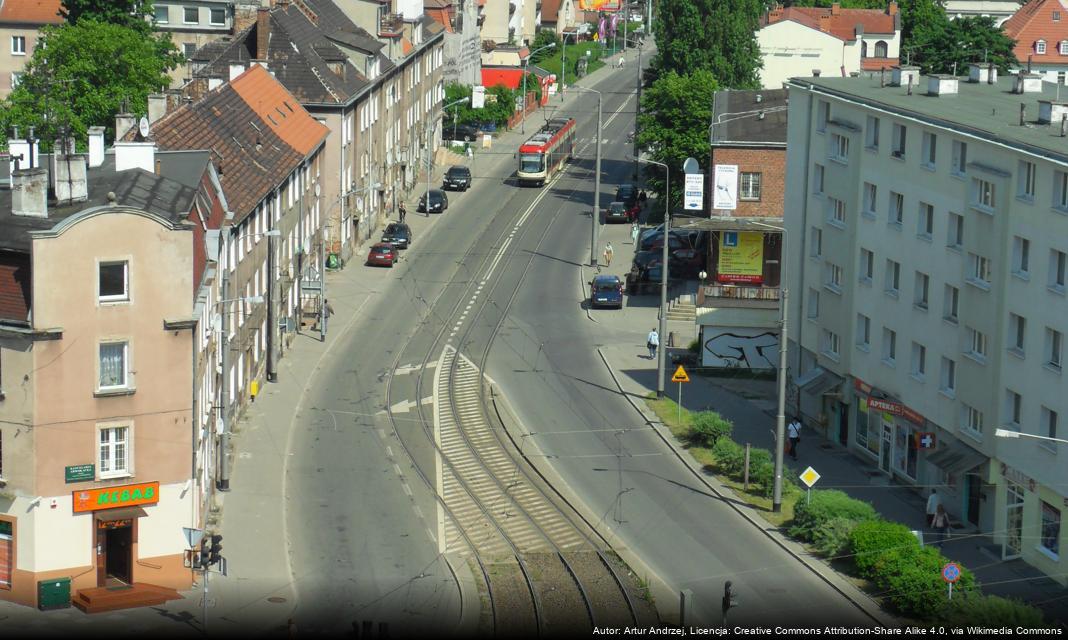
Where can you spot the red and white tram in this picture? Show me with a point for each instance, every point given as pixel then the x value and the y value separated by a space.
pixel 541 157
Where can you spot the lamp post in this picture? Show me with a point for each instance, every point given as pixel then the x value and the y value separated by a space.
pixel 223 481
pixel 563 61
pixel 272 313
pixel 596 218
pixel 661 369
pixel 426 140
pixel 780 415
pixel 1009 433
pixel 526 62
pixel 638 104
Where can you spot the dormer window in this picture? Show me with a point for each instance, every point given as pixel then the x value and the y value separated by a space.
pixel 1063 47
pixel 1040 47
pixel 1056 16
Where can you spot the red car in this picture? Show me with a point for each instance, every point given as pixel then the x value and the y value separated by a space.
pixel 381 254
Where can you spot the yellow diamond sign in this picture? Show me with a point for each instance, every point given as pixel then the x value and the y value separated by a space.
pixel 680 375
pixel 809 477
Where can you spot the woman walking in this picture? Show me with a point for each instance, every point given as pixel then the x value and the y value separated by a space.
pixel 940 522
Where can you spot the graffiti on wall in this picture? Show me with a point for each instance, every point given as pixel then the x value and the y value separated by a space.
pixel 740 348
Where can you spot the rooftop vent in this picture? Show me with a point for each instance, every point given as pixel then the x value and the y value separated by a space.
pixel 1027 83
pixel 1050 111
pixel 941 84
pixel 982 73
pixel 904 76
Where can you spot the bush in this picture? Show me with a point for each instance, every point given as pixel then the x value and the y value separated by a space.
pixel 694 346
pixel 833 536
pixel 915 582
pixel 871 541
pixel 823 506
pixel 991 611
pixel 709 427
pixel 730 457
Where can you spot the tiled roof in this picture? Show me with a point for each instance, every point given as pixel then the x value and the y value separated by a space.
pixel 441 16
pixel 15 286
pixel 30 11
pixel 875 64
pixel 273 104
pixel 841 25
pixel 1033 22
pixel 550 10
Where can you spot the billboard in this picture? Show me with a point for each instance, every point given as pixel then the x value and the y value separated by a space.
pixel 725 189
pixel 741 257
pixel 478 97
pixel 597 5
pixel 694 192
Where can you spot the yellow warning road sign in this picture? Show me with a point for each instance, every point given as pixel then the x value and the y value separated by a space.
pixel 680 375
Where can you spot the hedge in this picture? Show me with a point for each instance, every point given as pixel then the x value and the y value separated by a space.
pixel 824 505
pixel 833 537
pixel 729 456
pixel 709 427
pixel 990 611
pixel 874 541
pixel 916 585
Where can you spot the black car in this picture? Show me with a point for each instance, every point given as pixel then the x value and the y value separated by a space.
pixel 616 212
pixel 627 194
pixel 438 201
pixel 458 177
pixel 461 132
pixel 398 234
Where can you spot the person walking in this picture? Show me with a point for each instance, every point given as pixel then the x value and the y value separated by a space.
pixel 621 61
pixel 635 229
pixel 608 253
pixel 793 432
pixel 940 522
pixel 642 198
pixel 652 341
pixel 401 211
pixel 933 502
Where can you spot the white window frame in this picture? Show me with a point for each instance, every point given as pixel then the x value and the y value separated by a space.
pixel 919 361
pixel 1058 271
pixel 126 429
pixel 951 304
pixel 948 377
pixel 211 17
pixel 984 195
pixel 122 298
pixel 839 148
pixel 126 378
pixel 930 151
pixel 925 223
pixel 871 195
pixel 922 292
pixel 895 213
pixel 972 421
pixel 1054 353
pixel 867 265
pixel 979 271
pixel 955 231
pixel 836 213
pixel 18 45
pixel 892 284
pixel 1040 47
pixel 1021 257
pixel 978 344
pixel 898 141
pixel 832 344
pixel 165 10
pixel 871 134
pixel 747 181
pixel 185 15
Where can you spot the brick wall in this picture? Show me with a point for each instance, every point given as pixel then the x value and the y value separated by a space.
pixel 771 164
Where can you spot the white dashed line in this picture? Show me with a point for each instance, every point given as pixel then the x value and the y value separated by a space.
pixel 389 452
pixel 407 489
pixel 396 467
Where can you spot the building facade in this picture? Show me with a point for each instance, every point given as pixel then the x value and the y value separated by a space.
pixel 1040 29
pixel 20 25
pixel 999 10
pixel 929 266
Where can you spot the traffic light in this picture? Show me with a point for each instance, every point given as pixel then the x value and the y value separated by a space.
pixel 200 556
pixel 728 599
pixel 215 553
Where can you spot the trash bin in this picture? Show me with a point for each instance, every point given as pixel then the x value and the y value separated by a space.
pixel 53 594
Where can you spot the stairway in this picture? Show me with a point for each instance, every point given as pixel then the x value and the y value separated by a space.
pixel 102 599
pixel 682 308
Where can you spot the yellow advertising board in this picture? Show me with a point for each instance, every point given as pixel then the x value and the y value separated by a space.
pixel 598 5
pixel 741 257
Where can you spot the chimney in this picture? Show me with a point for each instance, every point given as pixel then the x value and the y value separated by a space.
pixel 29 193
pixel 825 23
pixel 858 31
pixel 135 155
pixel 19 152
pixel 1050 111
pixel 69 181
pixel 815 73
pixel 903 75
pixel 157 106
pixel 891 9
pixel 941 84
pixel 96 146
pixel 236 69
pixel 836 9
pixel 1028 83
pixel 263 32
pixel 1023 113
pixel 982 73
pixel 123 123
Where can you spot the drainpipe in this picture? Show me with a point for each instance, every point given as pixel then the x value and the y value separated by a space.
pixel 801 252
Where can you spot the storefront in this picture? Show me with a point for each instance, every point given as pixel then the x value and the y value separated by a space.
pixel 116 512
pixel 888 431
pixel 1028 518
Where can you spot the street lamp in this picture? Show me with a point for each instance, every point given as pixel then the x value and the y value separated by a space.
pixel 1009 433
pixel 526 62
pixel 780 416
pixel 661 370
pixel 563 61
pixel 596 183
pixel 426 139
pixel 638 104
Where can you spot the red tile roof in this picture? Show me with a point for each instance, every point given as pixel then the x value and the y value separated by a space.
pixel 1033 22
pixel 874 64
pixel 840 23
pixel 550 9
pixel 31 11
pixel 15 286
pixel 441 16
pixel 275 105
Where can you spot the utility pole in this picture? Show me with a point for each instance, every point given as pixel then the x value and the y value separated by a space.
pixel 223 481
pixel 638 107
pixel 526 62
pixel 596 217
pixel 272 313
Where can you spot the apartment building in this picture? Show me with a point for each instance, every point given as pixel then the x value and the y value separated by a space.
pixel 20 26
pixel 378 95
pixel 192 24
pixel 999 10
pixel 103 260
pixel 1041 36
pixel 928 216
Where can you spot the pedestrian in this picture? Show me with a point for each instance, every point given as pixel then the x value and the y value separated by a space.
pixel 652 341
pixel 793 432
pixel 635 229
pixel 621 61
pixel 642 197
pixel 608 253
pixel 327 312
pixel 469 151
pixel 933 502
pixel 940 522
pixel 401 211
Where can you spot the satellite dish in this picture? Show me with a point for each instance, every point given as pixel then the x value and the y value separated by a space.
pixel 317 189
pixel 142 126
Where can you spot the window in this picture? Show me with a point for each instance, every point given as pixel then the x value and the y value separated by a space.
pixel 823 115
pixel 960 158
pixel 867 265
pixel 1040 47
pixel 18 45
pixel 863 331
pixel 192 15
pixel 163 15
pixel 950 303
pixel 839 148
pixel 925 224
pixel 114 451
pixel 7 553
pixel 815 243
pixel 919 360
pixel 1049 428
pixel 1017 331
pixel 895 214
pixel 1021 256
pixel 889 346
pixel 1051 529
pixel 920 293
pixel 1062 47
pixel 1060 190
pixel 113 365
pixel 1013 408
pixel 983 195
pixel 930 148
pixel 976 344
pixel 834 277
pixel 870 194
pixel 880 49
pixel 1025 187
pixel 831 343
pixel 817 179
pixel 189 49
pixel 871 133
pixel 16 78
pixel 898 143
pixel 218 16
pixel 1054 341
pixel 813 310
pixel 955 231
pixel 114 281
pixel 750 186
pixel 1056 16
pixel 948 382
pixel 979 270
pixel 836 212
pixel 893 277
pixel 973 419
pixel 1057 261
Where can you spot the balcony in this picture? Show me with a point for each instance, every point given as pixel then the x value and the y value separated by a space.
pixel 391 25
pixel 712 295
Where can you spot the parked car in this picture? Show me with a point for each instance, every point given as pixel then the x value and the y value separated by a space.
pixel 606 291
pixel 644 272
pixel 651 238
pixel 438 202
pixel 686 263
pixel 398 235
pixel 627 194
pixel 457 177
pixel 461 132
pixel 382 254
pixel 617 212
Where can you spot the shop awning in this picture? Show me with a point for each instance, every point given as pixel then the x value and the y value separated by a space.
pixel 127 513
pixel 818 381
pixel 953 456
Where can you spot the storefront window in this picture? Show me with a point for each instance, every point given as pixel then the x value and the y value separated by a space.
pixel 1051 529
pixel 861 432
pixel 905 450
pixel 7 558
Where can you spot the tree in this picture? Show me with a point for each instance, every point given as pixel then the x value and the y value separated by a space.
pixel 544 38
pixel 127 13
pixel 82 74
pixel 710 34
pixel 966 40
pixel 922 22
pixel 673 124
pixel 845 4
pixel 708 427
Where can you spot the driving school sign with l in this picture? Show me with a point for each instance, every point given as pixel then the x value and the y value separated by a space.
pixel 694 193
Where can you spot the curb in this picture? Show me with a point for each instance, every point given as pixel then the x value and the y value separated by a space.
pixel 866 605
pixel 470 605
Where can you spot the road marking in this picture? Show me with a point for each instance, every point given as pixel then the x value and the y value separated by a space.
pixel 407 489
pixel 428 400
pixel 396 467
pixel 389 452
pixel 382 433
pixel 404 406
pixel 418 511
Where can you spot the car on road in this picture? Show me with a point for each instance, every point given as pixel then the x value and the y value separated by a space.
pixel 617 212
pixel 457 177
pixel 606 291
pixel 382 254
pixel 398 235
pixel 627 193
pixel 461 132
pixel 439 202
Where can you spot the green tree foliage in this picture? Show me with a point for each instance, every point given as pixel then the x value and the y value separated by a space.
pixel 708 427
pixel 991 611
pixel 500 105
pixel 709 34
pixel 729 457
pixel 544 38
pixel 824 506
pixel 875 541
pixel 966 40
pixel 845 4
pixel 127 13
pixel 673 124
pixel 915 583
pixel 82 73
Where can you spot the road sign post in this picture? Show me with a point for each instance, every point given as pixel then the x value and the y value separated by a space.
pixel 951 573
pixel 680 377
pixel 810 477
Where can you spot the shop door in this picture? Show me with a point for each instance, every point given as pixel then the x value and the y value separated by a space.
pixel 1014 499
pixel 119 549
pixel 886 447
pixel 973 488
pixel 843 424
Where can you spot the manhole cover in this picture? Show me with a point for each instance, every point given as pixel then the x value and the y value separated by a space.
pixel 276 600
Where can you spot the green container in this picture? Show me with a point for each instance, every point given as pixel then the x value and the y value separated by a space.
pixel 53 594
